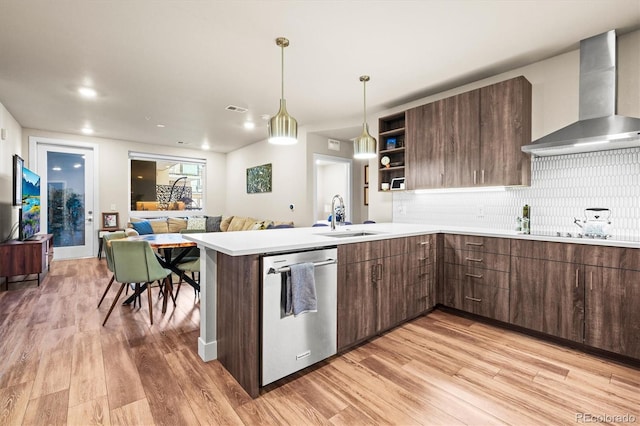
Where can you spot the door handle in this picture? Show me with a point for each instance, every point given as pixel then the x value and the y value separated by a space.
pixel 470 259
pixel 482 176
pixel 473 299
pixel 469 243
pixel 577 270
pixel 474 275
pixel 474 177
pixel 379 271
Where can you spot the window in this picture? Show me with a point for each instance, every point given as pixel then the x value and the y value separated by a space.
pixel 162 183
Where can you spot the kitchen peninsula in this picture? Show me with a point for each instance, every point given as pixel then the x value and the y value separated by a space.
pixel 231 278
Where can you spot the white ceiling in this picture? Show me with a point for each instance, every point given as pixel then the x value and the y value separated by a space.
pixel 180 63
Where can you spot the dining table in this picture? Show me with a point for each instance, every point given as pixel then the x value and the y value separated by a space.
pixel 165 245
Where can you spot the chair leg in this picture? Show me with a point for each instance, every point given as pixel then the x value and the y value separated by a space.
pixel 150 305
pixel 179 287
pixel 113 277
pixel 114 303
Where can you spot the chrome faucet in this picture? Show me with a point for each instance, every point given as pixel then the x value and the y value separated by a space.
pixel 333 211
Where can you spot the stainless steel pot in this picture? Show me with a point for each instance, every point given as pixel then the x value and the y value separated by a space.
pixel 596 222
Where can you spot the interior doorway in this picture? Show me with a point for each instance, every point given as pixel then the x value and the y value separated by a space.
pixel 331 176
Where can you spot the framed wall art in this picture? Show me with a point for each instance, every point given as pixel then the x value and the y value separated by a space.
pixel 259 179
pixel 110 220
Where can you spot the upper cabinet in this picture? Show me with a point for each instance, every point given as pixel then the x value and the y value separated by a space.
pixel 391 149
pixel 471 139
pixel 505 126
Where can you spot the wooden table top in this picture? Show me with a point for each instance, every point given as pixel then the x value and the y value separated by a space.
pixel 169 240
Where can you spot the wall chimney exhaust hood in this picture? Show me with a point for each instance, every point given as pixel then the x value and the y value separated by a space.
pixel 599 128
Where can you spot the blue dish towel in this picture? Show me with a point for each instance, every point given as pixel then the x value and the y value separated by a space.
pixel 301 290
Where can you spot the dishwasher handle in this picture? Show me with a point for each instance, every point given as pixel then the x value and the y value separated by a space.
pixel 315 264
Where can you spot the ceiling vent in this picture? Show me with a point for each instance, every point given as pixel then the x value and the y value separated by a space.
pixel 235 108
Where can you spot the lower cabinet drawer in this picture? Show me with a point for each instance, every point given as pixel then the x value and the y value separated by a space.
pixel 486 301
pixel 477 275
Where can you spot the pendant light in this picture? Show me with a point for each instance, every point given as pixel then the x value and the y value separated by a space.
pixel 283 129
pixel 364 146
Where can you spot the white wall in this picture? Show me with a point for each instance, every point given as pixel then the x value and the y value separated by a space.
pixel 289 180
pixel 8 147
pixel 113 173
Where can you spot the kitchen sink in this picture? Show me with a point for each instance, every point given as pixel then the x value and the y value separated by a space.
pixel 347 234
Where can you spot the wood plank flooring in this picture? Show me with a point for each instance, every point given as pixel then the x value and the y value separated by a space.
pixel 60 366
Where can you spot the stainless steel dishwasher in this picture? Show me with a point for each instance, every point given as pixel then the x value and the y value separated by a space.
pixel 292 343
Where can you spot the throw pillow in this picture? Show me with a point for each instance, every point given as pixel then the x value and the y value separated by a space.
pixel 198 223
pixel 176 224
pixel 224 223
pixel 213 223
pixel 159 226
pixel 237 223
pixel 143 227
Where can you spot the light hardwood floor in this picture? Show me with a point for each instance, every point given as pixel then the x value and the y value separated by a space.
pixel 58 365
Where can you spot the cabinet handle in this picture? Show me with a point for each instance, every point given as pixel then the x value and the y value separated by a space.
pixel 373 273
pixel 379 271
pixel 591 280
pixel 470 259
pixel 482 176
pixel 441 179
pixel 424 243
pixel 469 243
pixel 577 271
pixel 474 177
pixel 473 275
pixel 422 259
pixel 473 299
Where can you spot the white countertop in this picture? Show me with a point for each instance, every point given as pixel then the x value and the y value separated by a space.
pixel 241 243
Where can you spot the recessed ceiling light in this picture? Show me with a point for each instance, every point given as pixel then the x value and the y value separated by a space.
pixel 87 92
pixel 87 130
pixel 77 166
pixel 56 168
pixel 249 125
pixel 205 146
pixel 160 125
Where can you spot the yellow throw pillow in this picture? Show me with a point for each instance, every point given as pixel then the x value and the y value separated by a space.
pixel 237 224
pixel 176 224
pixel 224 223
pixel 159 226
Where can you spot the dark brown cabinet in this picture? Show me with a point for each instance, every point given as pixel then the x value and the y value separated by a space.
pixel 612 297
pixel 26 257
pixel 505 126
pixel 391 140
pixel 425 146
pixel 476 271
pixel 471 139
pixel 382 284
pixel 461 137
pixel 547 288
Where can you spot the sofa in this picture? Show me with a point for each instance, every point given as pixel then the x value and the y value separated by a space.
pixel 142 226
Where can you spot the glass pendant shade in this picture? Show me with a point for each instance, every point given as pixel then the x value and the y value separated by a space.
pixel 283 129
pixel 365 145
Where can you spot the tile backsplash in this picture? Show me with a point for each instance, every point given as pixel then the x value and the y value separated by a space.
pixel 561 188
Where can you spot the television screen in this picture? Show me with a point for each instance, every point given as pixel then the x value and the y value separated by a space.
pixel 30 213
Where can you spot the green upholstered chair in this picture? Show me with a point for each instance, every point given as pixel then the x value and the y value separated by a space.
pixel 108 254
pixel 192 267
pixel 135 262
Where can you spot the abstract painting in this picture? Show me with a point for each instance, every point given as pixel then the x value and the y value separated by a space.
pixel 259 179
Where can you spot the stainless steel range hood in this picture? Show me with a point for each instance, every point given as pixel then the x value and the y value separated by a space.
pixel 599 127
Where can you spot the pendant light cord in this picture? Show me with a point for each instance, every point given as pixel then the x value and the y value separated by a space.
pixel 365 100
pixel 282 72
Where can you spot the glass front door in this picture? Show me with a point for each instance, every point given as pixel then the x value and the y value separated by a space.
pixel 67 207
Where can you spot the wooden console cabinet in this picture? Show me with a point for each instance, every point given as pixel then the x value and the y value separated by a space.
pixel 26 257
